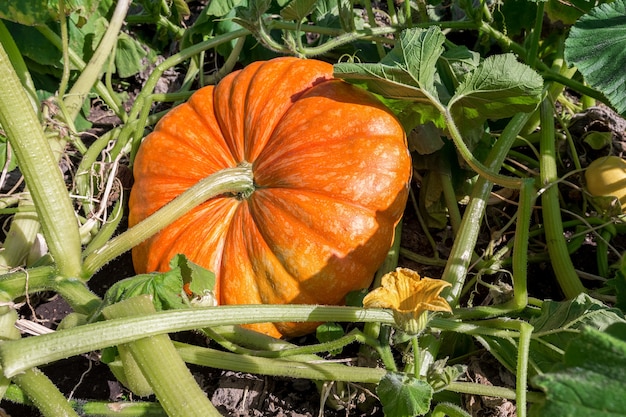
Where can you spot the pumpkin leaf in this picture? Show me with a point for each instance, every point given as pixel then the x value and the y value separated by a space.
pixel 38 12
pixel 404 396
pixel 596 45
pixel 328 332
pixel 407 72
pixel 598 140
pixel 499 87
pixel 590 380
pixel 220 8
pixel 164 287
pixel 297 9
pixel 567 12
pixel 129 56
pixel 558 324
pixel 200 280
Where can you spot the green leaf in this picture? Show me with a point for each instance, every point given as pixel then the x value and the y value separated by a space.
pixel 596 45
pixel 297 9
pixel 164 287
pixel 558 324
pixel 129 56
pixel 598 140
pixel 407 72
pixel 618 284
pixel 221 8
pixel 38 12
pixel 500 87
pixel 200 280
pixel 455 64
pixel 404 396
pixel 328 332
pixel 567 11
pixel 591 380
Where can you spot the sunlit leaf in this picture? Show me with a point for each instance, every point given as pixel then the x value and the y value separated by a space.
pixel 500 87
pixel 221 8
pixel 407 71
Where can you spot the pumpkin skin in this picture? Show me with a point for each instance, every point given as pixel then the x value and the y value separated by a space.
pixel 331 172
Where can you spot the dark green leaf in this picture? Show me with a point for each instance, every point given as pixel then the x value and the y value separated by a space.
pixel 221 8
pixel 297 9
pixel 129 56
pixel 404 396
pixel 327 332
pixel 598 140
pixel 569 11
pixel 558 324
pixel 38 12
pixel 164 287
pixel 591 380
pixel 597 47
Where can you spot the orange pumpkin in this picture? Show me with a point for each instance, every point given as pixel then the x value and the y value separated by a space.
pixel 331 171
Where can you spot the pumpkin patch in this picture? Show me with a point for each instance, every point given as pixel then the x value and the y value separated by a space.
pixel 331 171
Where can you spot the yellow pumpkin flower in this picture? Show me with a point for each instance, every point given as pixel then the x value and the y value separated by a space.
pixel 410 297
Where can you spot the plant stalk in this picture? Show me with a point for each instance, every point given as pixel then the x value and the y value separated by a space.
pixel 172 382
pixel 463 247
pixel 19 355
pixel 229 180
pixel 40 169
pixel 553 223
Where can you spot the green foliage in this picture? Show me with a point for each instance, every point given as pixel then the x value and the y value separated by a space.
pixel 404 396
pixel 591 379
pixel 38 12
pixel 556 327
pixel 165 288
pixel 597 47
pixel 495 88
pixel 327 332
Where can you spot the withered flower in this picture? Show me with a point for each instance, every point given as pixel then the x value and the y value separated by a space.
pixel 411 298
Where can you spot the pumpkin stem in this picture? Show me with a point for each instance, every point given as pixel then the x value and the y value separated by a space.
pixel 236 181
pixel 245 194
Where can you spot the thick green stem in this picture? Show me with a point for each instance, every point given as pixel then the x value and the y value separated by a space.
pixel 39 167
pixel 130 409
pixel 319 370
pixel 19 355
pixel 230 180
pixel 18 283
pixel 42 392
pixel 491 391
pixel 15 56
pixel 22 234
pixel 463 247
pixel 172 382
pixel 472 161
pixel 521 374
pixel 557 246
